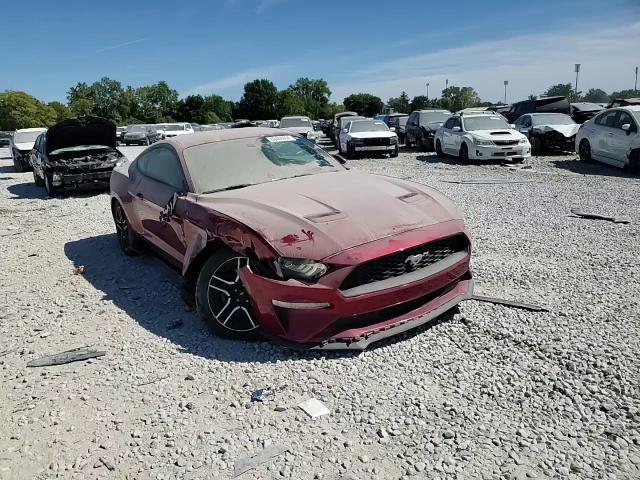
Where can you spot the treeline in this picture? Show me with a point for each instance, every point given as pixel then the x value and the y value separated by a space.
pixel 261 100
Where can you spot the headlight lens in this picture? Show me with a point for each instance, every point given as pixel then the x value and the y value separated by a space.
pixel 394 139
pixel 523 141
pixel 299 268
pixel 479 141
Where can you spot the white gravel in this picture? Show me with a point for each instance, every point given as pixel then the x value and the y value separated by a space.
pixel 492 393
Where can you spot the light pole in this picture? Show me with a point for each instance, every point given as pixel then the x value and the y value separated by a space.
pixel 636 85
pixel 446 83
pixel 427 84
pixel 577 73
pixel 506 82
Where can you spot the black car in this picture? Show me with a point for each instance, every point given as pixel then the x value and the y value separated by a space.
pixel 540 105
pixel 120 131
pixel 75 154
pixel 141 135
pixel 399 122
pixel 421 127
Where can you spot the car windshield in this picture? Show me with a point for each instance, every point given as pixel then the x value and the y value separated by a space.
pixel 485 122
pixel 248 161
pixel 295 122
pixel 174 128
pixel 25 137
pixel 434 117
pixel 345 120
pixel 552 119
pixel 137 128
pixel 369 126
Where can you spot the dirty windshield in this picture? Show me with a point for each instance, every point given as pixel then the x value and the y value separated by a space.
pixel 249 161
pixel 552 119
pixel 295 122
pixel 368 126
pixel 484 123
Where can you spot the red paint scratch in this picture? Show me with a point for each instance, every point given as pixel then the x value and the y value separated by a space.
pixel 290 239
pixel 308 233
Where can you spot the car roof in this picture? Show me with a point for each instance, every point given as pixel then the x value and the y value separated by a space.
pixel 291 116
pixel 427 110
pixel 27 130
pixel 536 114
pixel 182 142
pixel 632 108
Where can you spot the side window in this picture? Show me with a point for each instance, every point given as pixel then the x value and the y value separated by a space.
pixel 607 119
pixel 448 124
pixel 143 161
pixel 456 123
pixel 412 118
pixel 519 122
pixel 623 119
pixel 163 166
pixel 526 122
pixel 43 144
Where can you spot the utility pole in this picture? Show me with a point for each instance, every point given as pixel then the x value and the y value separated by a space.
pixel 636 85
pixel 577 73
pixel 506 82
pixel 427 84
pixel 446 83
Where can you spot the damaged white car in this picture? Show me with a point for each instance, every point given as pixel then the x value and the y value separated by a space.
pixel 548 131
pixel 367 136
pixel 481 136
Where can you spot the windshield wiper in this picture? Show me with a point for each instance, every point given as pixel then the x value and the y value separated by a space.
pixel 232 187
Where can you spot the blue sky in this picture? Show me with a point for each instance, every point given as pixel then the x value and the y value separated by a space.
pixel 382 47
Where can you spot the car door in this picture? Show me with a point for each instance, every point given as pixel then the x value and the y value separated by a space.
pixel 410 129
pixel 619 140
pixel 451 138
pixel 158 176
pixel 446 134
pixel 604 128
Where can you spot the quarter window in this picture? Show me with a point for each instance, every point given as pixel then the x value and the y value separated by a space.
pixel 607 119
pixel 623 119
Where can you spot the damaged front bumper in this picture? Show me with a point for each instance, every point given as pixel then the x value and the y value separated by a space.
pixel 81 180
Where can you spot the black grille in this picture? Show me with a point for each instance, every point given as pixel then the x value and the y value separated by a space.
pixel 375 142
pixel 505 142
pixel 405 261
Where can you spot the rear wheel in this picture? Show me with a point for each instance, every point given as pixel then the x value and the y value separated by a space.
pixel 584 151
pixel 439 149
pixel 221 299
pixel 129 242
pixel 420 145
pixel 634 162
pixel 351 152
pixel 37 179
pixel 464 153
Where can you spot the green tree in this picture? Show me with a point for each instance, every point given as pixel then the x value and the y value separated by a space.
pixel 289 103
pixel 105 94
pixel 314 94
pixel 364 103
pixel 80 100
pixel 21 110
pixel 457 98
pixel 61 110
pixel 563 90
pixel 631 93
pixel 157 103
pixel 259 100
pixel 331 109
pixel 420 102
pixel 192 109
pixel 401 104
pixel 596 95
pixel 222 108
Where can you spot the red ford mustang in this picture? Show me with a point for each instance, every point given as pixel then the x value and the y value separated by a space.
pixel 276 237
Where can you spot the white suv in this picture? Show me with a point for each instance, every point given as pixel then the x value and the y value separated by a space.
pixel 481 136
pixel 612 137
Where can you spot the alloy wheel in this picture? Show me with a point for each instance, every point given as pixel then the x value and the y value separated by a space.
pixel 122 226
pixel 227 298
pixel 584 151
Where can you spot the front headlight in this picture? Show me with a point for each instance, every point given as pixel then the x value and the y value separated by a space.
pixel 394 140
pixel 523 141
pixel 299 268
pixel 479 141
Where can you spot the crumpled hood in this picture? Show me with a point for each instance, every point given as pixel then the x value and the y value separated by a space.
pixel 74 132
pixel 433 126
pixel 319 215
pixel 372 135
pixel 506 134
pixel 24 146
pixel 566 130
pixel 299 130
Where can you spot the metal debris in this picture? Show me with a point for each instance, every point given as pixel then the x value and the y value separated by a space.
pixel 110 466
pixel 595 216
pixel 74 355
pixel 254 459
pixel 263 395
pixel 510 303
pixel 314 408
pixel 7 352
pixel 496 181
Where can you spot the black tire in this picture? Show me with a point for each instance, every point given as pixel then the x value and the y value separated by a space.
pixel 536 146
pixel 634 162
pixel 439 149
pixel 147 142
pixel 221 299
pixel 130 244
pixel 407 142
pixel 17 164
pixel 351 152
pixel 395 152
pixel 464 153
pixel 48 186
pixel 420 145
pixel 584 151
pixel 37 179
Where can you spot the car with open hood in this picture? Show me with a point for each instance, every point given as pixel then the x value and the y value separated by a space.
pixel 548 131
pixel 75 154
pixel 612 137
pixel 300 125
pixel 557 104
pixel 367 137
pixel 275 237
pixel 583 111
pixel 20 144
pixel 481 136
pixel 421 127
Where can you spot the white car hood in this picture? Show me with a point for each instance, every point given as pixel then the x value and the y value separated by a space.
pixel 372 135
pixel 566 130
pixel 170 133
pixel 501 134
pixel 24 145
pixel 299 129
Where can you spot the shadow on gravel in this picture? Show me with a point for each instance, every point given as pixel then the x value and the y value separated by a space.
pixel 593 168
pixel 447 160
pixel 147 290
pixel 8 169
pixel 31 190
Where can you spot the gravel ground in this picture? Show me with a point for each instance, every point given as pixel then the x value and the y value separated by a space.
pixel 491 392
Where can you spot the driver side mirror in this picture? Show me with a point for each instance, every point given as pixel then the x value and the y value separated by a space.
pixel 456 129
pixel 512 126
pixel 626 127
pixel 344 130
pixel 393 129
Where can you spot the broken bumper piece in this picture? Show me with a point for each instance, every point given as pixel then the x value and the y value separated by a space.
pixel 76 181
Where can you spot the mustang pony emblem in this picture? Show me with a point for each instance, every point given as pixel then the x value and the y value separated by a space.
pixel 412 261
